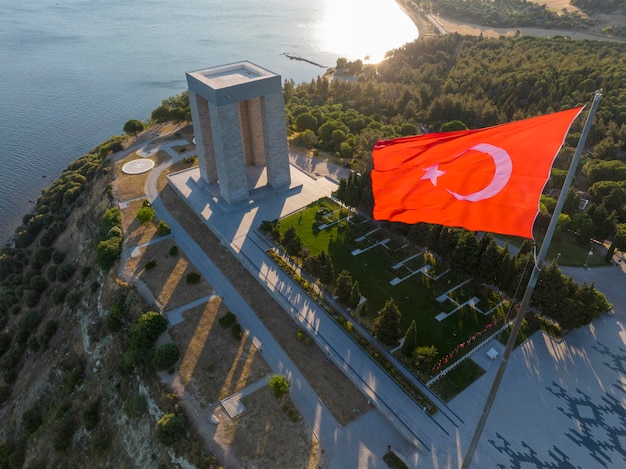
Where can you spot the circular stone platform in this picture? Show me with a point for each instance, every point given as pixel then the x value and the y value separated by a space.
pixel 138 166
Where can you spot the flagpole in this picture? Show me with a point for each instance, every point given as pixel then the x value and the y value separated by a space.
pixel 531 283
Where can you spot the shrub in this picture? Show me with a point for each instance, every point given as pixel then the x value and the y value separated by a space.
pixel 133 126
pixel 112 217
pixel 227 320
pixel 236 331
pixel 116 146
pixel 31 419
pixel 193 278
pixel 84 272
pixel 279 384
pixel 39 283
pixel 145 215
pixel 11 357
pixel 65 432
pixel 73 298
pixel 173 251
pixel 91 414
pixel 65 272
pixel 101 441
pixel 166 356
pixel 163 229
pixel 136 406
pixel 170 428
pixel 51 273
pixel 109 252
pixel 57 295
pixel 48 331
pixel 9 376
pixel 58 256
pixel 114 319
pixel 115 231
pixel 31 297
pixel 33 344
pixel 150 264
pixel 5 393
pixel 147 329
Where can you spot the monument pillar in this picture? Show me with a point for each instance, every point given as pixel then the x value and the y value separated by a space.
pixel 238 117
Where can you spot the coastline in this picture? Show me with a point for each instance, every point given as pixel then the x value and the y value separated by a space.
pixel 433 25
pixel 426 26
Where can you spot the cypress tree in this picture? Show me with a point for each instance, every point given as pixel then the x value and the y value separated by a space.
pixel 410 340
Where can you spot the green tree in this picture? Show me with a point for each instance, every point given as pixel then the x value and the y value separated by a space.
pixel 165 356
pixel 343 286
pixel 306 121
pixel 582 227
pixel 279 384
pixel 292 242
pixel 424 357
pixel 133 127
pixel 112 217
pixel 410 340
pixel 147 329
pixel 355 295
pixel 145 215
pixel 326 268
pixel 163 229
pixel 387 323
pixel 170 428
pixel 453 126
pixel 308 138
pixel 594 302
pixel 32 419
pixel 488 265
pixel 465 256
pixel 109 252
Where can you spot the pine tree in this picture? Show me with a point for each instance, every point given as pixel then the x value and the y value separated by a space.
pixel 488 264
pixel 410 340
pixel 355 295
pixel 387 323
pixel 344 287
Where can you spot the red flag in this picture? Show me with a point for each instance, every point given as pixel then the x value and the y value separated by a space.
pixel 487 179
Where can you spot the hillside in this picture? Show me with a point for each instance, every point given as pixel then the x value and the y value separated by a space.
pixel 67 397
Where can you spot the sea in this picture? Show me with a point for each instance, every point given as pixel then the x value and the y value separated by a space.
pixel 72 72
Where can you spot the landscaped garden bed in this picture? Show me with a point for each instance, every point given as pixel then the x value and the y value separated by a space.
pixel 450 311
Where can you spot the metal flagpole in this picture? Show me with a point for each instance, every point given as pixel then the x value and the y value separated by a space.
pixel 531 283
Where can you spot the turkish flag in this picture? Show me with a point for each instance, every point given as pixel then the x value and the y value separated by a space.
pixel 487 179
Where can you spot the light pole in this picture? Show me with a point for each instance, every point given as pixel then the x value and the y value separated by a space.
pixel 558 254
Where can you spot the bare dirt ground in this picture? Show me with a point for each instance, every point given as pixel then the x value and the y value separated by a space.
pixel 274 443
pixel 215 365
pixel 137 233
pixel 167 280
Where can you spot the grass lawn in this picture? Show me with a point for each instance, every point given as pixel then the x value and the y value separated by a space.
pixel 416 296
pixel 458 379
pixel 571 254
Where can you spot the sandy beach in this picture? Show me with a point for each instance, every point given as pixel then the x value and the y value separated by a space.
pixel 432 25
